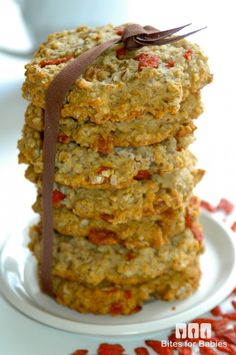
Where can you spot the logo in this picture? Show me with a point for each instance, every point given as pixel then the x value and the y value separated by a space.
pixel 193 334
pixel 193 331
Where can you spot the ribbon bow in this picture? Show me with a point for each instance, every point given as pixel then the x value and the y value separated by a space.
pixel 135 36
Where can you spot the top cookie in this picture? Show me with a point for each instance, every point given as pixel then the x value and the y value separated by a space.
pixel 120 85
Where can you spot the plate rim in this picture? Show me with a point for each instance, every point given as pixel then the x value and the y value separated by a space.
pixel 117 330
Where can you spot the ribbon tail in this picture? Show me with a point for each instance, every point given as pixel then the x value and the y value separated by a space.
pixel 55 96
pixel 153 33
pixel 176 38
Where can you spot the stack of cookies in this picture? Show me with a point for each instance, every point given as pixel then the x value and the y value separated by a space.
pixel 125 218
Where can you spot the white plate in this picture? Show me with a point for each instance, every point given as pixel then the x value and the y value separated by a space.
pixel 20 288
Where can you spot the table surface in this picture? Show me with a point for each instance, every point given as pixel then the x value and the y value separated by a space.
pixel 215 148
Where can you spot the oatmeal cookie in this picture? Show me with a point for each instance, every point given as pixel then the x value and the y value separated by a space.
pixel 144 199
pixel 115 300
pixel 150 231
pixel 141 131
pixel 77 166
pixel 77 259
pixel 117 87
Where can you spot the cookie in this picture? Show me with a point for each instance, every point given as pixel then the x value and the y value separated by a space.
pixel 138 132
pixel 117 87
pixel 77 166
pixel 78 259
pixel 145 199
pixel 114 300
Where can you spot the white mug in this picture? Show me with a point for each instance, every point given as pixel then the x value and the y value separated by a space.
pixel 46 16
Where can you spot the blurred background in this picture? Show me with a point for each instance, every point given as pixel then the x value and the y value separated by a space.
pixel 24 23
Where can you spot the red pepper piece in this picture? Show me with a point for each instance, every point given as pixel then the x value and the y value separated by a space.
pixel 170 63
pixel 143 175
pixel 233 227
pixel 136 309
pixel 228 335
pixel 234 304
pixel 225 205
pixel 234 291
pixel 141 351
pixel 55 61
pixel 217 324
pixel 228 349
pixel 116 309
pixel 104 145
pixel 80 352
pixel 148 60
pixel 203 320
pixel 197 232
pixel 231 316
pixel 106 217
pixel 194 202
pixel 110 349
pixel 188 220
pixel 128 294
pixel 57 196
pixel 172 337
pixel 120 52
pixel 130 256
pixel 166 351
pixel 195 228
pixel 103 168
pixel 216 311
pixel 188 54
pixel 207 206
pixel 207 351
pixel 231 349
pixel 120 31
pixel 158 348
pixel 184 351
pixel 63 138
pixel 102 236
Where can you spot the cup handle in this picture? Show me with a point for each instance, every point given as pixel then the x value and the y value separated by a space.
pixel 16 52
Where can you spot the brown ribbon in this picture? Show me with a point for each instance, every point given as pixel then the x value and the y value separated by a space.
pixel 135 36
